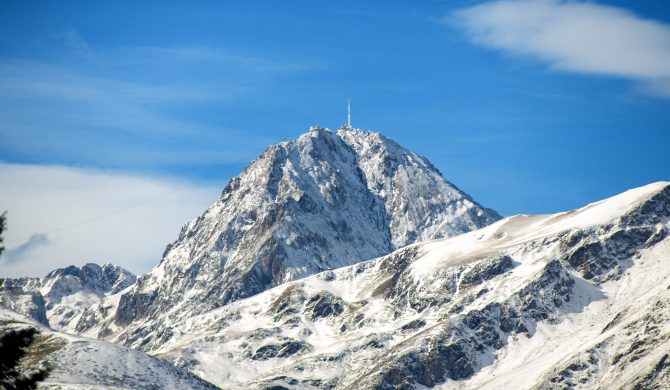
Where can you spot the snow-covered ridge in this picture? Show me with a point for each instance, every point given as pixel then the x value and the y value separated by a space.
pixel 575 299
pixel 322 201
pixel 61 296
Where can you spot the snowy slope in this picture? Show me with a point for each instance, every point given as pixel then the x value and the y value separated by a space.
pixel 576 299
pixel 80 363
pixel 320 202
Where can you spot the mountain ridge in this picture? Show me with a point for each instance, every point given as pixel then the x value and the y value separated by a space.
pixel 60 297
pixel 468 311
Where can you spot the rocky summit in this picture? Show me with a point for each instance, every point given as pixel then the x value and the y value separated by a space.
pixel 323 201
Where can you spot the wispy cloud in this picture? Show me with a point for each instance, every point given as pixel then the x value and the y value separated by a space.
pixel 53 96
pixel 574 36
pixel 42 198
pixel 126 106
pixel 31 79
pixel 75 44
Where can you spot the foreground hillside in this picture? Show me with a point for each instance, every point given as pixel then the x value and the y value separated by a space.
pixel 577 299
pixel 79 363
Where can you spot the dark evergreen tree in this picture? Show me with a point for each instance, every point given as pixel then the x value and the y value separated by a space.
pixel 13 346
pixel 3 217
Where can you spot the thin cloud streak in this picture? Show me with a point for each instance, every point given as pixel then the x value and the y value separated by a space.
pixel 230 59
pixel 574 37
pixel 31 79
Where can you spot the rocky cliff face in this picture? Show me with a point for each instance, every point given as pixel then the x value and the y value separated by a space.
pixel 59 298
pixel 420 203
pixel 571 300
pixel 323 201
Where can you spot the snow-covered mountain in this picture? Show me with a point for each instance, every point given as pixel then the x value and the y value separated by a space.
pixel 59 299
pixel 78 363
pixel 323 201
pixel 270 288
pixel 571 300
pixel 69 291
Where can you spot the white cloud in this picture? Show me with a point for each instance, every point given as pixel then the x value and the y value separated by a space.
pixel 40 199
pixel 574 36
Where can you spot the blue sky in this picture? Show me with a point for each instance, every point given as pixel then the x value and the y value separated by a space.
pixel 529 106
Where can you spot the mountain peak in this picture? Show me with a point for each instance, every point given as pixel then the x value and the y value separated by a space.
pixel 324 200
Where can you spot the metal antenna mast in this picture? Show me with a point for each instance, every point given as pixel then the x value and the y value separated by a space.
pixel 349 113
